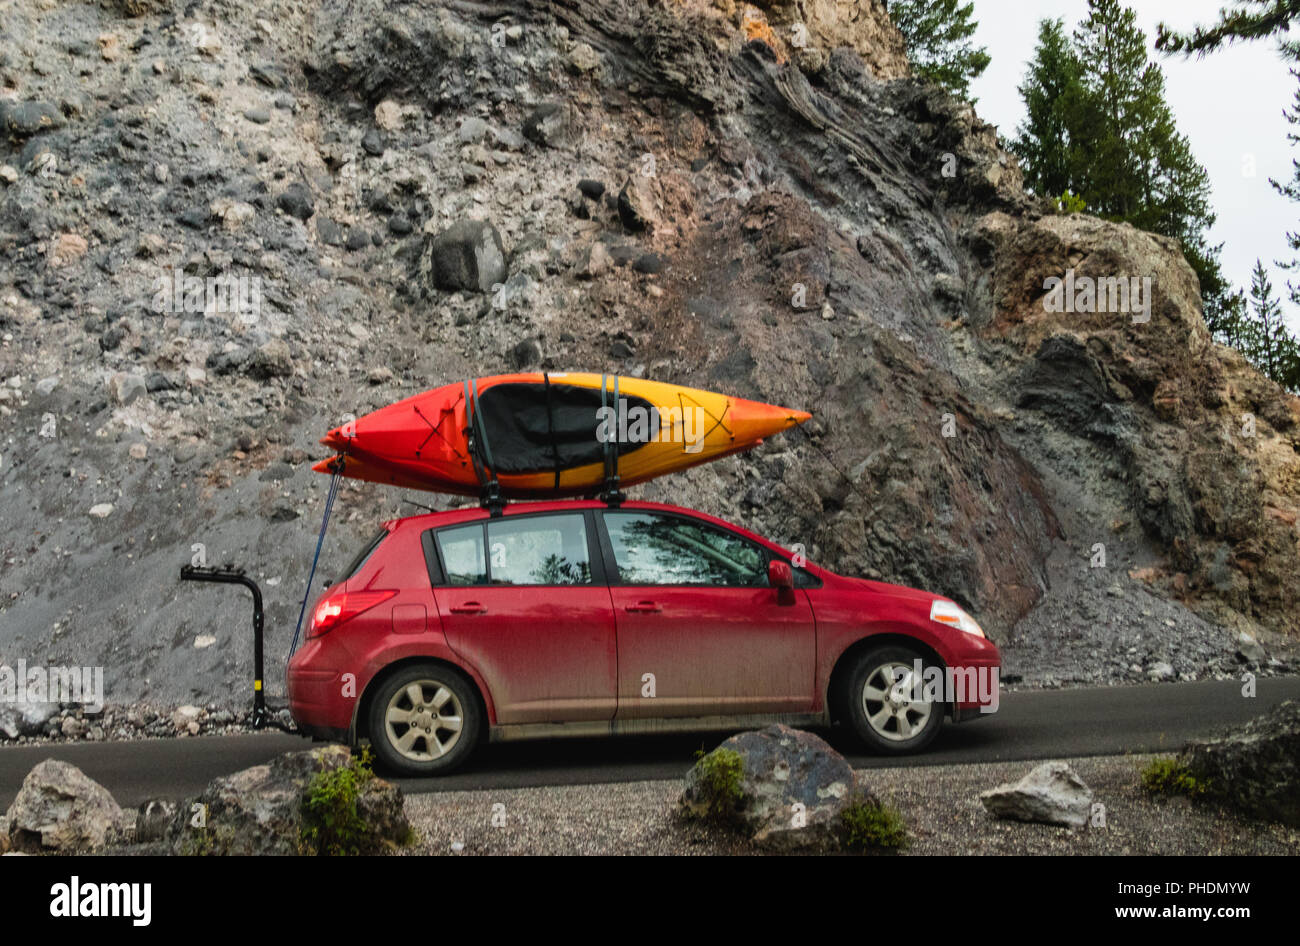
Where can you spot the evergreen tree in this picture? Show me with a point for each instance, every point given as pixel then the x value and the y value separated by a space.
pixel 1047 142
pixel 938 35
pixel 1249 20
pixel 1266 341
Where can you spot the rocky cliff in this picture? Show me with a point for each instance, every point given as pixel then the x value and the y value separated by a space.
pixel 219 225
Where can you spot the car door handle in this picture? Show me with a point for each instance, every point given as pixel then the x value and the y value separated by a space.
pixel 469 607
pixel 644 607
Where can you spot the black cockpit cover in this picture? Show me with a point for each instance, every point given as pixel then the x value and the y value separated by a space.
pixel 540 428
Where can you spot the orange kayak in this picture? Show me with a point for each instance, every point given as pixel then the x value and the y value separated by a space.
pixel 548 434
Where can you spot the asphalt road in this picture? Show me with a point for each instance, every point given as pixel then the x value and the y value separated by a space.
pixel 1030 725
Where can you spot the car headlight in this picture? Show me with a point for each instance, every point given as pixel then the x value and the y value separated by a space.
pixel 945 612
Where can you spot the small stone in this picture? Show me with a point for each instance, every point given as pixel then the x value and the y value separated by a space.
pixel 296 201
pixel 138 451
pixel 68 248
pixel 101 510
pixel 258 116
pixel 388 115
pixel 125 388
pixel 372 142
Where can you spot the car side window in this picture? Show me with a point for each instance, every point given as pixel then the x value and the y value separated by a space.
pixel 539 550
pixel 461 549
pixel 653 549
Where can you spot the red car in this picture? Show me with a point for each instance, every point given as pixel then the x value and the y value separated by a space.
pixel 575 618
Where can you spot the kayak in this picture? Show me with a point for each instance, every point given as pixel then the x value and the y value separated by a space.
pixel 548 434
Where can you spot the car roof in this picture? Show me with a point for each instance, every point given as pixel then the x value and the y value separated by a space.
pixel 447 517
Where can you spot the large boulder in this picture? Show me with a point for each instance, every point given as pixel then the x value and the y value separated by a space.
pixel 467 255
pixel 60 809
pixel 792 789
pixel 259 811
pixel 1052 794
pixel 1255 769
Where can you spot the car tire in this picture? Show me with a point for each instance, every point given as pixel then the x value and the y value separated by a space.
pixel 887 725
pixel 413 720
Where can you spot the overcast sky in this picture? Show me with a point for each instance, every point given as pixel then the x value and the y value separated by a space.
pixel 1229 104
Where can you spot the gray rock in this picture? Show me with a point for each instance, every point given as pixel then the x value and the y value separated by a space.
pixel 1051 794
pixel 548 125
pixel 1255 769
pixel 259 116
pixel 472 130
pixel 1250 650
pixel 272 360
pixel 467 255
pixel 20 120
pixel 25 719
pixel 59 809
pixel 259 811
pixel 329 232
pixel 782 768
pixel 372 142
pixel 296 201
pixel 125 388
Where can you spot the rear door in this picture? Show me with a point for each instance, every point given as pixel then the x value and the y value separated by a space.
pixel 700 632
pixel 523 599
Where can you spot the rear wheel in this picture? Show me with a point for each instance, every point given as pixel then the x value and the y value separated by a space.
pixel 424 720
pixel 884 701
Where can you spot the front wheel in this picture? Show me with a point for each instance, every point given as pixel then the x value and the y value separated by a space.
pixel 885 701
pixel 424 720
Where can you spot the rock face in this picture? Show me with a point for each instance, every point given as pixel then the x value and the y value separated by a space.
pixel 59 809
pixel 793 789
pixel 467 255
pixel 1052 794
pixel 1255 769
pixel 259 811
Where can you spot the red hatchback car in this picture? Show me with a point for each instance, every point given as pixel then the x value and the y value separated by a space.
pixel 575 618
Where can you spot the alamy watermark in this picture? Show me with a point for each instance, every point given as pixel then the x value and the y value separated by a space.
pixel 175 292
pixel 922 684
pixel 1114 294
pixel 637 424
pixel 42 684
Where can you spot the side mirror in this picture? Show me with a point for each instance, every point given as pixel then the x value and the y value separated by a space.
pixel 780 577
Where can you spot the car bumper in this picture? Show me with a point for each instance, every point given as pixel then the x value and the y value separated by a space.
pixel 317 699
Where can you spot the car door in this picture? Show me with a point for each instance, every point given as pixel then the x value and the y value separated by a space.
pixel 523 599
pixel 700 632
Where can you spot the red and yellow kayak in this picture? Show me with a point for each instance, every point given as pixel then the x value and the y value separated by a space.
pixel 546 434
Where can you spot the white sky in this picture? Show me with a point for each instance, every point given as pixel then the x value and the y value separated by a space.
pixel 1229 104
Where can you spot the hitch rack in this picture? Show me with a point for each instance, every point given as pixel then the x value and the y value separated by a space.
pixel 233 576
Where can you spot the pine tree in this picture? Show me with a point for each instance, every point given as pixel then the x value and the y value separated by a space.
pixel 938 35
pixel 1047 142
pixel 1249 20
pixel 1266 342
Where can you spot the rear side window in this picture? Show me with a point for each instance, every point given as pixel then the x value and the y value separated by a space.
pixel 541 550
pixel 461 550
pixel 362 557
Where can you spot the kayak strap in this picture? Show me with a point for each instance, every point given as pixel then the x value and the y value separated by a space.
pixel 610 493
pixel 336 468
pixel 481 453
pixel 550 428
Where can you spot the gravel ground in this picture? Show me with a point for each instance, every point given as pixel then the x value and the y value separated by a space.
pixel 940 805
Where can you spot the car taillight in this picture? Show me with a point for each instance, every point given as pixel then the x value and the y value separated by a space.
pixel 343 606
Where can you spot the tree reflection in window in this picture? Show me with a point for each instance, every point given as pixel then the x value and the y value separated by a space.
pixel 540 550
pixel 667 550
